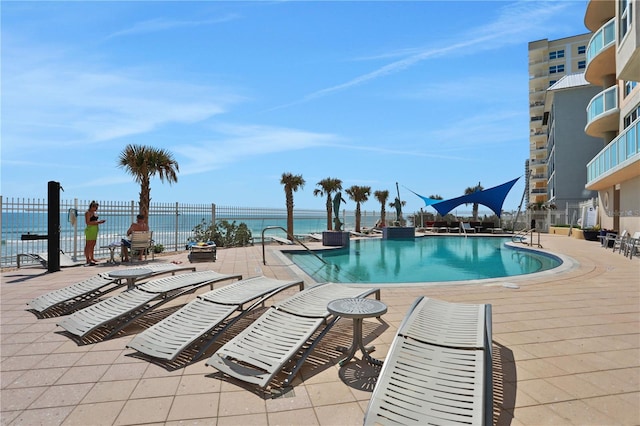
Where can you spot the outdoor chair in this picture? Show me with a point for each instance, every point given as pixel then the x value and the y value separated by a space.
pixel 75 296
pixel 632 246
pixel 42 259
pixel 141 245
pixel 619 241
pixel 115 313
pixel 466 226
pixel 438 369
pixel 287 329
pixel 195 322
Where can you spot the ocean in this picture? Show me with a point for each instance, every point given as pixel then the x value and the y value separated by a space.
pixel 170 230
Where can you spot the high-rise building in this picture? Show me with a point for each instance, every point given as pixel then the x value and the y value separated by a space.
pixel 569 148
pixel 549 61
pixel 613 64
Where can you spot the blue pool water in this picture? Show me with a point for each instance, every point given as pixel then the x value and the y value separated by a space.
pixel 427 259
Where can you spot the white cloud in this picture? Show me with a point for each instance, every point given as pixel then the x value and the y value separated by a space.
pixel 162 24
pixel 514 25
pixel 237 142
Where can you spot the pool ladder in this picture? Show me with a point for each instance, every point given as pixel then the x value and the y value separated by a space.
pixel 527 234
pixel 291 237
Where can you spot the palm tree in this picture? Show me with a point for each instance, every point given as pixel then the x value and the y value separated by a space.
pixel 328 186
pixel 382 197
pixel 359 194
pixel 291 184
pixel 469 191
pixel 144 162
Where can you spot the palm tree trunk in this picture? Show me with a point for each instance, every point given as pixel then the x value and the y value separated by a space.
pixel 290 215
pixel 357 217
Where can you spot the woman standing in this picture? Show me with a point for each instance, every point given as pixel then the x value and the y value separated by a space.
pixel 91 232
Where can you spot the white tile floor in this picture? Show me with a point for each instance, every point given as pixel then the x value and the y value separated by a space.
pixel 567 351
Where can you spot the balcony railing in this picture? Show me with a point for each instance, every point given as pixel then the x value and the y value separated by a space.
pixel 601 39
pixel 621 149
pixel 602 103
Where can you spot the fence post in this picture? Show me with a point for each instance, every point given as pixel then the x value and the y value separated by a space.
pixel 53 226
pixel 75 230
pixel 175 248
pixel 213 214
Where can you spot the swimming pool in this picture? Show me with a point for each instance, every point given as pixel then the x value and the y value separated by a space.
pixel 426 259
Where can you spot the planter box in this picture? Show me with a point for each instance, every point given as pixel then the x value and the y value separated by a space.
pixel 560 230
pixel 335 238
pixel 591 235
pixel 202 254
pixel 398 232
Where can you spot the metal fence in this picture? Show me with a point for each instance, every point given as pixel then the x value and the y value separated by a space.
pixel 172 223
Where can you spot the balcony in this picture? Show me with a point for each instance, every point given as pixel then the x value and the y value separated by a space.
pixel 617 162
pixel 603 113
pixel 601 59
pixel 597 12
pixel 539 177
pixel 538 152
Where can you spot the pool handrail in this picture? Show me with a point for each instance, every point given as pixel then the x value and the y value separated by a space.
pixel 291 237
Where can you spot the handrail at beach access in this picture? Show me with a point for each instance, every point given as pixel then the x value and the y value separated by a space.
pixel 264 259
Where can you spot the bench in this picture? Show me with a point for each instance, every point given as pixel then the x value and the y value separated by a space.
pixel 438 369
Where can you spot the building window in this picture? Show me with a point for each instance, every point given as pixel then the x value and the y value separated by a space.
pixel 552 82
pixel 557 54
pixel 582 65
pixel 556 69
pixel 626 17
pixel 631 117
pixel 582 50
pixel 629 86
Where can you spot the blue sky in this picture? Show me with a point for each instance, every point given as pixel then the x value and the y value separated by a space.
pixel 429 94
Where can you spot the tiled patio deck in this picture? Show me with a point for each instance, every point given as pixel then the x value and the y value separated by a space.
pixel 567 351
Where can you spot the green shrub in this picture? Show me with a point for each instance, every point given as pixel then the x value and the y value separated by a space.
pixel 224 234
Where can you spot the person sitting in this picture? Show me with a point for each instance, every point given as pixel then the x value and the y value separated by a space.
pixel 138 225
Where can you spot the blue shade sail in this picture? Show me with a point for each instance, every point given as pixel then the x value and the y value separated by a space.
pixel 493 198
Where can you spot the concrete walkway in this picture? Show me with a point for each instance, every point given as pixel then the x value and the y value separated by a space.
pixel 566 351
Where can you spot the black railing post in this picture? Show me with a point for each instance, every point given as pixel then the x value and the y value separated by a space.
pixel 53 222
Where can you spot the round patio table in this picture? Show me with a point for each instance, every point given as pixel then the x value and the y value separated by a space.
pixel 131 275
pixel 357 308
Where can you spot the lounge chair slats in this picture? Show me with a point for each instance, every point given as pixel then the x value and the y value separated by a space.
pixel 264 348
pixel 428 384
pixel 82 290
pixel 313 302
pixel 447 324
pixel 168 338
pixel 123 308
pixel 436 371
pixel 79 294
pixel 86 320
pixel 260 351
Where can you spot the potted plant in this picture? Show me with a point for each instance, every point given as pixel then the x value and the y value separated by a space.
pixel 592 233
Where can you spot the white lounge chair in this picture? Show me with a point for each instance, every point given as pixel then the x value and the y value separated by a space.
pixel 197 319
pixel 438 369
pixel 619 240
pixel 632 245
pixel 272 341
pixel 42 259
pixel 116 312
pixel 466 226
pixel 281 240
pixel 73 297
